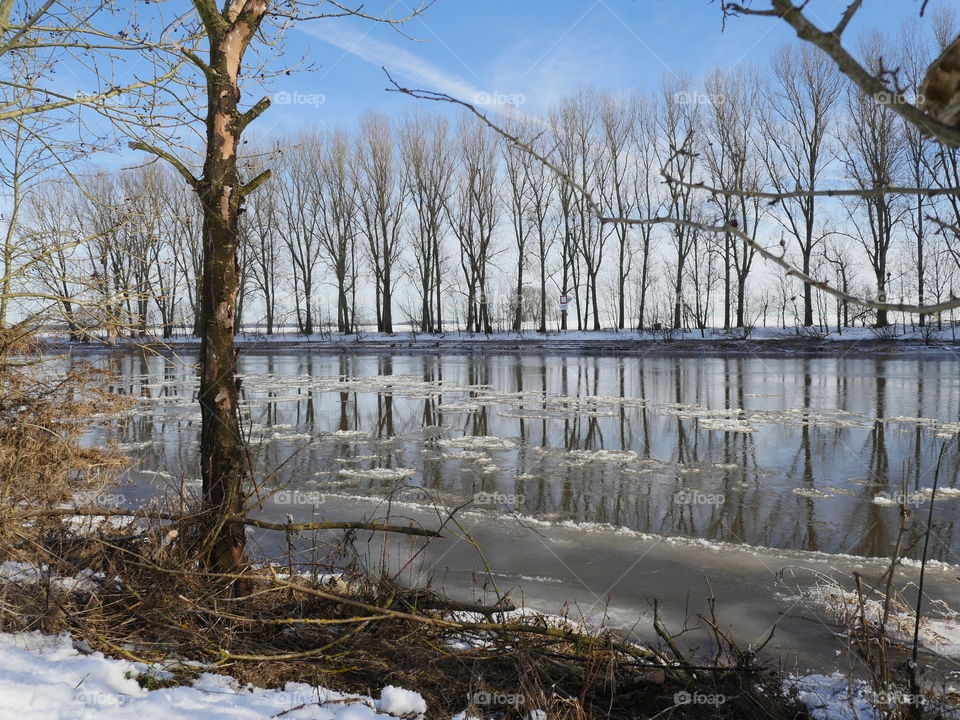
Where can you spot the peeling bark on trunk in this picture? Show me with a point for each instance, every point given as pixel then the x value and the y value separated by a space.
pixel 224 464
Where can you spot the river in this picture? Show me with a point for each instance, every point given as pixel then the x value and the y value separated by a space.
pixel 597 484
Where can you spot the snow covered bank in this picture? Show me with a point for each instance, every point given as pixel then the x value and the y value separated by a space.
pixel 48 677
pixel 713 339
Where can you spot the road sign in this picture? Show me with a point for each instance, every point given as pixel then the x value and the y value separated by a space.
pixel 564 302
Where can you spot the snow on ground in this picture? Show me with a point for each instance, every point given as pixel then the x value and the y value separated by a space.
pixel 26 574
pixel 836 697
pixel 48 677
pixel 404 335
pixel 831 697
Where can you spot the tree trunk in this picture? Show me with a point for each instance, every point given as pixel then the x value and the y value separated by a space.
pixel 920 264
pixel 741 300
pixel 677 287
pixel 807 250
pixel 726 281
pixel 518 310
pixel 223 455
pixel 387 302
pixel 543 289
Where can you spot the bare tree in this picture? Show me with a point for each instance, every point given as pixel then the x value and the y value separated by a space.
pixel 185 237
pixel 141 249
pixel 575 130
pixel 298 195
pixel 873 157
pixel 259 226
pixel 678 122
pixel 474 216
pixel 337 229
pixel 618 117
pixel 919 154
pixel 798 123
pixel 224 464
pixel 522 219
pixel 381 208
pixel 52 235
pixel 646 180
pixel 567 196
pixel 428 164
pixel 732 161
pixel 541 186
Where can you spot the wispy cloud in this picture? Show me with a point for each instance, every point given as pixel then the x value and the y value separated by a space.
pixel 399 61
pixel 402 63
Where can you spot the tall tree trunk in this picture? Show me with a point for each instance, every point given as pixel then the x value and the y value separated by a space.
pixel 223 455
pixel 543 289
pixel 807 251
pixel 726 281
pixel 518 310
pixel 677 288
pixel 920 264
pixel 621 290
pixel 387 302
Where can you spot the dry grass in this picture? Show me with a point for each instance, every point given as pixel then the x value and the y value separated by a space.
pixel 45 404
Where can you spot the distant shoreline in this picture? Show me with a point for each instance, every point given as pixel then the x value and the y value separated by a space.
pixel 766 342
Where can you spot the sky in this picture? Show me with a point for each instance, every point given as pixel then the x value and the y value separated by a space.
pixel 526 52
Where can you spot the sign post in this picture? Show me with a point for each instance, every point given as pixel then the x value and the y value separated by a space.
pixel 564 304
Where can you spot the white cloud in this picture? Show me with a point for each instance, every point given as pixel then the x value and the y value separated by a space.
pixel 403 64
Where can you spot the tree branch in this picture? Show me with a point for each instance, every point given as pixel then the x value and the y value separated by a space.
pixel 255 183
pixel 829 42
pixel 790 269
pixel 175 162
pixel 253 113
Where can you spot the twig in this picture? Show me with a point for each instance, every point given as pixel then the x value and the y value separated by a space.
pixel 914 682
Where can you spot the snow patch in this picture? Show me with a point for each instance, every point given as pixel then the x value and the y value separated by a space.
pixel 48 677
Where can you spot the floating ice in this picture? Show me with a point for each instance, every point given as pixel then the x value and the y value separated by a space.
pixel 378 473
pixel 488 442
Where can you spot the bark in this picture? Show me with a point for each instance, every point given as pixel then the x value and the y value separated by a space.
pixel 223 453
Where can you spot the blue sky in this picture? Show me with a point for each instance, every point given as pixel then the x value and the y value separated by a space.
pixel 533 50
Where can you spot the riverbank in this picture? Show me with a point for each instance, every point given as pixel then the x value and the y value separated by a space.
pixel 760 341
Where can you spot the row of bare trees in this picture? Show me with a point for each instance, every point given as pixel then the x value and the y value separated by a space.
pixel 431 222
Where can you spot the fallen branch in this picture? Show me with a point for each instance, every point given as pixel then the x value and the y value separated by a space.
pixel 332 525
